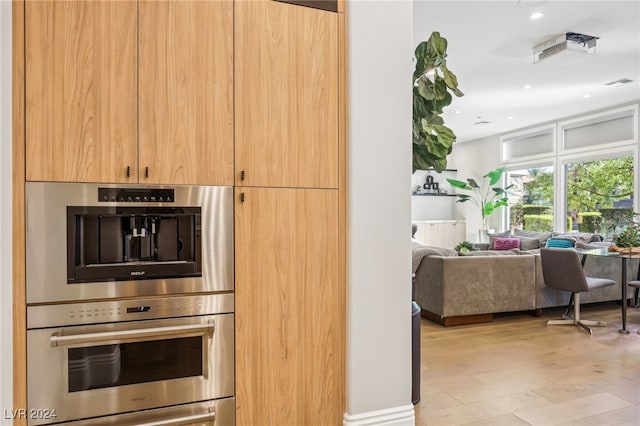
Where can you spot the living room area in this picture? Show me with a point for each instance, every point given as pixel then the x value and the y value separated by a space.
pixel 547 138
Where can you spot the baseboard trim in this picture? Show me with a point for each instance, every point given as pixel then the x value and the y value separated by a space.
pixel 457 320
pixel 397 416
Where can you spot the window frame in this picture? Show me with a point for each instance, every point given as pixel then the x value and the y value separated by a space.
pixel 559 156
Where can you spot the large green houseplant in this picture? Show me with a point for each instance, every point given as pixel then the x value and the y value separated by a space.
pixel 486 196
pixel 433 85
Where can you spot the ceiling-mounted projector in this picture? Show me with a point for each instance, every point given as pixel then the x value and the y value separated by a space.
pixel 568 41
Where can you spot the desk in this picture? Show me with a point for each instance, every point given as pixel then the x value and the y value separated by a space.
pixel 623 282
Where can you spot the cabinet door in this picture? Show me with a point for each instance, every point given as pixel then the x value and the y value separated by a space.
pixel 80 90
pixel 286 76
pixel 288 347
pixel 186 92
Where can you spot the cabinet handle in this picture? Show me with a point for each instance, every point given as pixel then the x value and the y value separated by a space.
pixel 242 197
pixel 146 172
pixel 242 175
pixel 128 171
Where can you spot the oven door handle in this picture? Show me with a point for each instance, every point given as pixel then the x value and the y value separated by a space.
pixel 186 420
pixel 176 330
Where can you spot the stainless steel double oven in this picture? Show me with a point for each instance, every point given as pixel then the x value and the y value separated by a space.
pixel 130 304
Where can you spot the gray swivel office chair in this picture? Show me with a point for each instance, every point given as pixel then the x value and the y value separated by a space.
pixel 562 270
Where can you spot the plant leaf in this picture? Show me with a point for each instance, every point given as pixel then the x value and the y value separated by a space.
pixel 494 176
pixel 449 77
pixel 488 209
pixel 458 184
pixel 473 183
pixel 440 165
pixel 425 88
pixel 438 43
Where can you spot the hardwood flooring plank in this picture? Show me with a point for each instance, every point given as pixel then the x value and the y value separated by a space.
pixel 573 409
pixel 517 371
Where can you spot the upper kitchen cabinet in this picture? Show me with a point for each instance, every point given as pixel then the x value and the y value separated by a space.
pixel 286 95
pixel 80 89
pixel 126 91
pixel 186 92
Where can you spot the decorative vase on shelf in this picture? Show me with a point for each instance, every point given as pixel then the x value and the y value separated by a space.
pixel 483 235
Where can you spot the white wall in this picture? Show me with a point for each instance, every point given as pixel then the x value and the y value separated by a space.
pixel 379 213
pixel 6 366
pixel 474 160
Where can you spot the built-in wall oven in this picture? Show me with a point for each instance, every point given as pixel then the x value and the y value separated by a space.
pixel 130 317
pixel 96 241
pixel 156 361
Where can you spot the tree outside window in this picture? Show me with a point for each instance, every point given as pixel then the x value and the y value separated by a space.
pixel 599 194
pixel 531 199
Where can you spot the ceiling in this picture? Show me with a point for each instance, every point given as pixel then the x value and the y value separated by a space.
pixel 490 50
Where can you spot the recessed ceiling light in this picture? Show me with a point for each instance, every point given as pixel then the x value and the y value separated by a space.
pixel 458 112
pixel 526 87
pixel 587 95
pixel 509 118
pixel 536 15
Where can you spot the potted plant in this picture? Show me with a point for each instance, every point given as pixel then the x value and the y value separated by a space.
pixel 628 237
pixel 486 196
pixel 433 86
pixel 464 247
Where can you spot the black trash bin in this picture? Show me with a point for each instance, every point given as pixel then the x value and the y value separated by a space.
pixel 415 345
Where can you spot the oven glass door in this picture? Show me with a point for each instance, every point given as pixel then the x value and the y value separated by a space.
pixel 121 367
pixel 95 367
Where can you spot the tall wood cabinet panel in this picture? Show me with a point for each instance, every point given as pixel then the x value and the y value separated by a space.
pixel 80 90
pixel 186 92
pixel 287 307
pixel 286 90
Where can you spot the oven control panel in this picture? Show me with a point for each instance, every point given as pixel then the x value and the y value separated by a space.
pixel 136 195
pixel 128 310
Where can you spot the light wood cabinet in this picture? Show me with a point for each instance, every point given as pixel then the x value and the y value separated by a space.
pixel 125 91
pixel 186 92
pixel 80 88
pixel 286 92
pixel 446 234
pixel 288 334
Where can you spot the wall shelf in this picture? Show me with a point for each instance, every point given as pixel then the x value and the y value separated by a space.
pixel 432 195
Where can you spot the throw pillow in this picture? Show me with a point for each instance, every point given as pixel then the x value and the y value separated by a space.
pixel 492 237
pixel 542 237
pixel 559 243
pixel 529 243
pixel 506 243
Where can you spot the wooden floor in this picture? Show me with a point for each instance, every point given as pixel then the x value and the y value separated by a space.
pixel 517 371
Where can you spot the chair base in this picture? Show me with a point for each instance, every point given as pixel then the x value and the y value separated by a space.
pixel 584 324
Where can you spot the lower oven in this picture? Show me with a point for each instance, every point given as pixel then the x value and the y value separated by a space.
pixel 156 361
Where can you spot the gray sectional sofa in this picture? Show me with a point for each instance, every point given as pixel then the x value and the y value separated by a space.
pixel 453 289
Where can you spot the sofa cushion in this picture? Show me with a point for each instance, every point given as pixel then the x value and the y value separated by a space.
pixel 419 252
pixel 506 243
pixel 512 252
pixel 586 237
pixel 593 245
pixel 527 243
pixel 542 237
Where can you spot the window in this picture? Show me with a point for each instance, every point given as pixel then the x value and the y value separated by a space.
pixel 531 199
pixel 599 194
